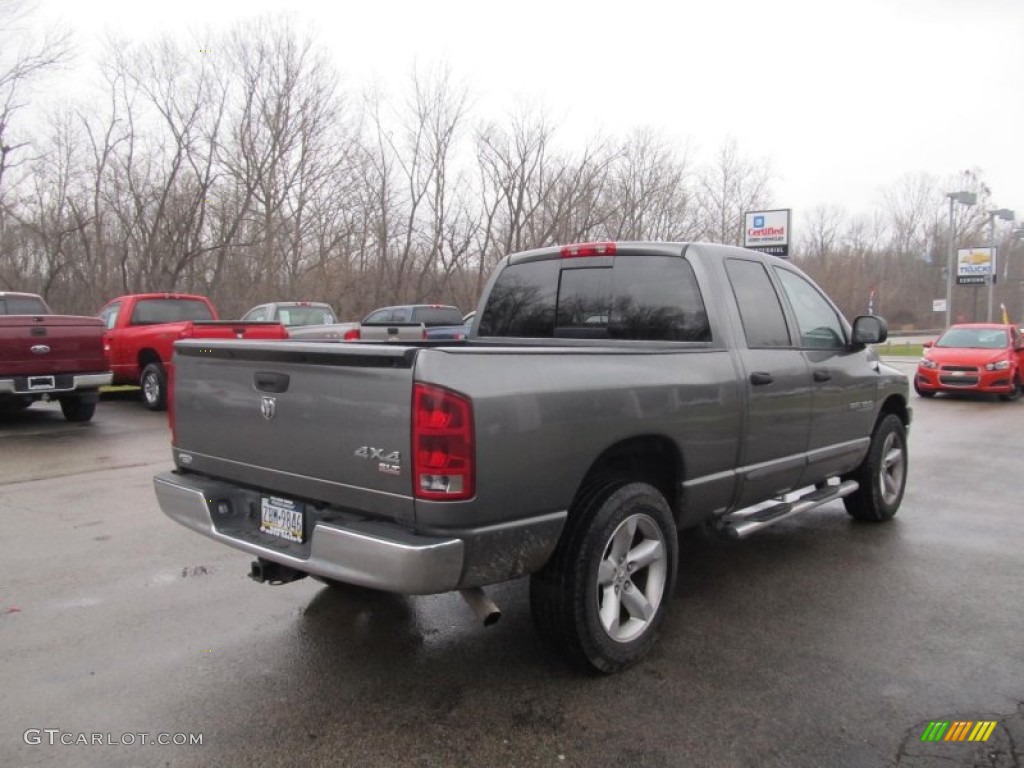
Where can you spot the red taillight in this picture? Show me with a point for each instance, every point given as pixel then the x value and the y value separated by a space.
pixel 587 249
pixel 352 335
pixel 442 444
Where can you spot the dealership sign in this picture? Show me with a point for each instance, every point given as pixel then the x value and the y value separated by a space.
pixel 767 231
pixel 974 265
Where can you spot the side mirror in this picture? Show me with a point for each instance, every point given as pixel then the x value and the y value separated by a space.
pixel 869 329
pixel 928 344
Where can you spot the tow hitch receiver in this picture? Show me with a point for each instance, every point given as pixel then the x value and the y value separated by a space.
pixel 268 572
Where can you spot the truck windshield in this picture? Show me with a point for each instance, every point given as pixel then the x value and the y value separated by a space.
pixel 22 305
pixel 654 298
pixel 153 311
pixel 292 316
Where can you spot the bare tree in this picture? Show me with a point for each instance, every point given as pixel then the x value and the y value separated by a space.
pixel 651 194
pixel 727 187
pixel 21 64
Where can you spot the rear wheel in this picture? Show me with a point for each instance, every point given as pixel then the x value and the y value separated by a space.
pixel 882 475
pixel 600 599
pixel 77 408
pixel 154 387
pixel 1014 393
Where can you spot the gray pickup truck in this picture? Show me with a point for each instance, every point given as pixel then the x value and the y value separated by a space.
pixel 608 396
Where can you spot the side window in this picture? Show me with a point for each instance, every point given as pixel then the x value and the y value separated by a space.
pixel 820 326
pixel 380 316
pixel 764 322
pixel 109 315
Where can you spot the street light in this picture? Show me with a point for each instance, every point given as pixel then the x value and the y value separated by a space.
pixel 1006 215
pixel 964 198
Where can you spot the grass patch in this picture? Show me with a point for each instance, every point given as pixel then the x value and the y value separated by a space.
pixel 898 349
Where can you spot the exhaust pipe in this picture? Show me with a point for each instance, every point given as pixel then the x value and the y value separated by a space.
pixel 269 572
pixel 484 608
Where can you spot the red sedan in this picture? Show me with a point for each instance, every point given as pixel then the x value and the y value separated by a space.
pixel 976 357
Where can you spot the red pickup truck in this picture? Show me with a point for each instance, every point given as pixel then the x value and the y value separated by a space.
pixel 44 356
pixel 142 329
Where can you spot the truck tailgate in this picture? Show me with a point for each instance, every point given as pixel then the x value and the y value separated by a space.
pixel 50 344
pixel 327 423
pixel 234 329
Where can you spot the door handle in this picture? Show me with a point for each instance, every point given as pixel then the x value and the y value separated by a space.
pixel 820 374
pixel 265 381
pixel 758 378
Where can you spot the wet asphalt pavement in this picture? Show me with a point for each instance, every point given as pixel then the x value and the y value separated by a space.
pixel 819 642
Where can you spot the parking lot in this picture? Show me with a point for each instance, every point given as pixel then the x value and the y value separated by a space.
pixel 820 642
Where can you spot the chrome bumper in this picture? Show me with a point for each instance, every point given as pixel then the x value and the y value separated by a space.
pixel 79 381
pixel 370 554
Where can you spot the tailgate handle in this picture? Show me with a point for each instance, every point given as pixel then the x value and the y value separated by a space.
pixel 37 330
pixel 266 381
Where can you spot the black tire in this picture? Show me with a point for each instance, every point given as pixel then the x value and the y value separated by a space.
pixel 12 405
pixel 926 393
pixel 1013 394
pixel 77 408
pixel 574 597
pixel 154 387
pixel 882 475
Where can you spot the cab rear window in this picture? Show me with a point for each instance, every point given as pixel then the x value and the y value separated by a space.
pixel 437 316
pixel 22 305
pixel 653 298
pixel 153 311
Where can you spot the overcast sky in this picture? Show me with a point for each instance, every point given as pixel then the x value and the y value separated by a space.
pixel 842 98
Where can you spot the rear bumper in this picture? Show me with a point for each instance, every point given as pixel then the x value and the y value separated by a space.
pixel 368 553
pixel 63 383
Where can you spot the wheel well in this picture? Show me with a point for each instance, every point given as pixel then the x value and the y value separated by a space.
pixel 652 459
pixel 895 404
pixel 147 356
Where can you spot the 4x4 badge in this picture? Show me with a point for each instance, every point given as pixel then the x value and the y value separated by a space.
pixel 388 462
pixel 268 407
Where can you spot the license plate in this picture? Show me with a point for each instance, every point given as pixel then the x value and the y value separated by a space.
pixel 282 518
pixel 40 382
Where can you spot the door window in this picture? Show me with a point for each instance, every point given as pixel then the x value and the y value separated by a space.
pixel 820 326
pixel 764 322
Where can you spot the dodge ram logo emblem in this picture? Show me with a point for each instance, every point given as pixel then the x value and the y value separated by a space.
pixel 268 407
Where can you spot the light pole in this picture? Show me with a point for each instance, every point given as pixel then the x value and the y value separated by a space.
pixel 1006 215
pixel 1018 235
pixel 964 198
